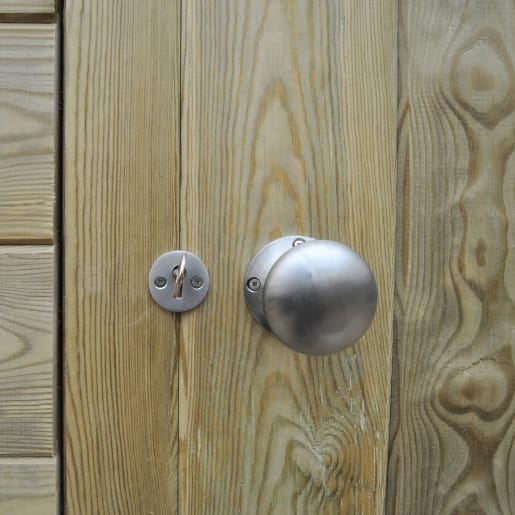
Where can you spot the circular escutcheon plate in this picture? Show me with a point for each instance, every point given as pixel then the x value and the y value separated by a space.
pixel 162 280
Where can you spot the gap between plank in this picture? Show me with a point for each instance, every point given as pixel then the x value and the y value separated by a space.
pixel 28 18
pixel 59 258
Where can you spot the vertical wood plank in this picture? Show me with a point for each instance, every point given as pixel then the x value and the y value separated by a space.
pixel 27 132
pixel 288 126
pixel 121 212
pixel 28 486
pixel 453 411
pixel 27 341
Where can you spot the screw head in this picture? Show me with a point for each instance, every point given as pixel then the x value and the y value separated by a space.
pixel 197 282
pixel 253 284
pixel 160 282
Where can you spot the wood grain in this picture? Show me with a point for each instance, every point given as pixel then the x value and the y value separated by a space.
pixel 27 339
pixel 453 412
pixel 288 126
pixel 27 132
pixel 27 6
pixel 28 486
pixel 121 212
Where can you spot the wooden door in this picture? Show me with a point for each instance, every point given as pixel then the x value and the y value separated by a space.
pixel 217 126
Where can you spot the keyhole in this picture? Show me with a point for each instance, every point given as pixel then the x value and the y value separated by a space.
pixel 179 273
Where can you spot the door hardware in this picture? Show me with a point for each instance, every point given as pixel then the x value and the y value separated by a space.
pixel 316 296
pixel 179 273
pixel 178 281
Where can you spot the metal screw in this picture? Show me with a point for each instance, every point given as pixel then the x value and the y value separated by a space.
pixel 254 284
pixel 197 282
pixel 160 282
pixel 298 241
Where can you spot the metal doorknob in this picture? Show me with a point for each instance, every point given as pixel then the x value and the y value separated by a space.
pixel 316 296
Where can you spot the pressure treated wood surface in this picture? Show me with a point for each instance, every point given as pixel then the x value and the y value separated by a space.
pixel 121 212
pixel 27 6
pixel 288 126
pixel 453 429
pixel 28 486
pixel 26 350
pixel 27 132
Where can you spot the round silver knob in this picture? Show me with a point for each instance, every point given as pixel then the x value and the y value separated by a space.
pixel 316 296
